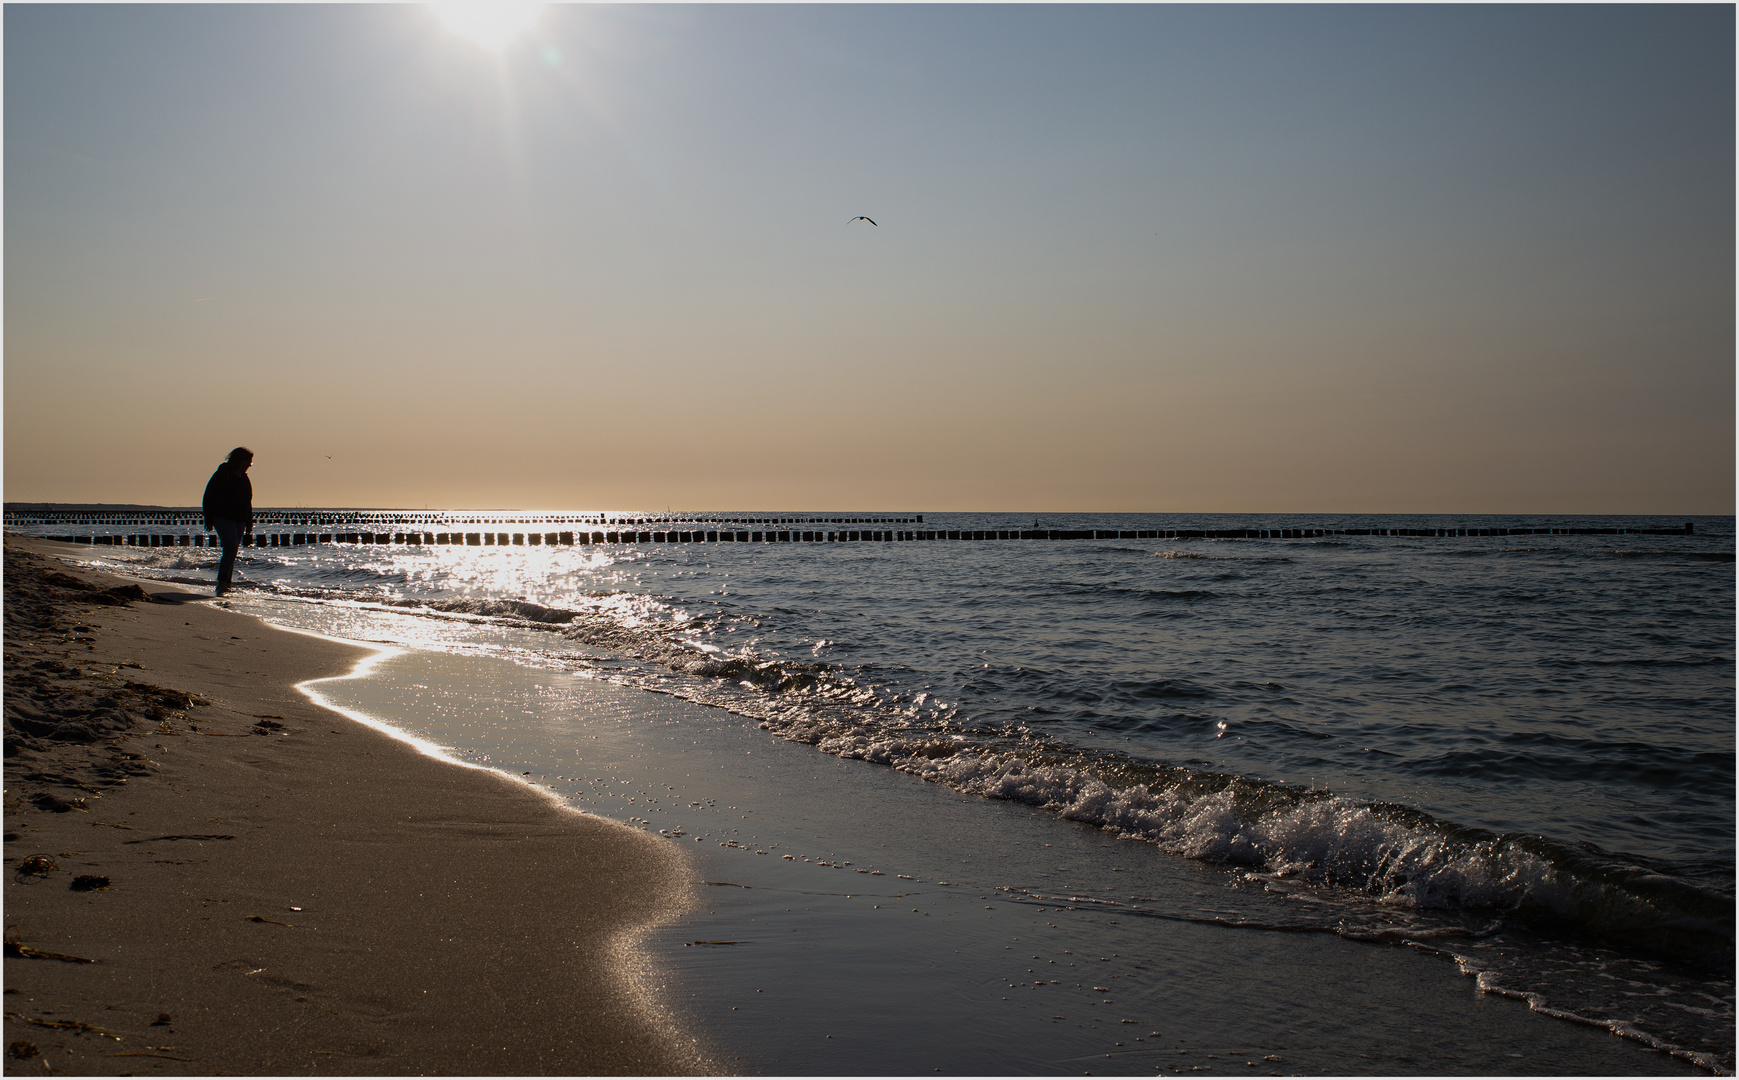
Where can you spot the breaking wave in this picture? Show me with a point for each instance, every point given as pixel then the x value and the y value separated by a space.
pixel 1390 854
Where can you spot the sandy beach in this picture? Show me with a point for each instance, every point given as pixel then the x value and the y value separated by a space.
pixel 209 874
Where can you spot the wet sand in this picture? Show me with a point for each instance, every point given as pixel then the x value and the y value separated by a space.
pixel 207 873
pixel 854 920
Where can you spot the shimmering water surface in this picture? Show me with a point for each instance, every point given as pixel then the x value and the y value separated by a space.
pixel 1518 749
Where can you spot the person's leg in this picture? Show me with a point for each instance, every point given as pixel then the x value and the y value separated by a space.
pixel 229 534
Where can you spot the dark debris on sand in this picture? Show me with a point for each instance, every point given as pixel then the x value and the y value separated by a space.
pixel 65 717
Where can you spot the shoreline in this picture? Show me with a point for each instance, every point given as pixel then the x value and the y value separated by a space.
pixel 859 920
pixel 288 890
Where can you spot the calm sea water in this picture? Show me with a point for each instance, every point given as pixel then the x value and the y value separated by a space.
pixel 1516 751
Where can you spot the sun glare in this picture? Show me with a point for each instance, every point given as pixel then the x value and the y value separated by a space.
pixel 489 24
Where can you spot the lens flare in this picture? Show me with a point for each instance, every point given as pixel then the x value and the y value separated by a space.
pixel 489 24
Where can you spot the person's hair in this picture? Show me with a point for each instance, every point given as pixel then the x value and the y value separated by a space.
pixel 240 453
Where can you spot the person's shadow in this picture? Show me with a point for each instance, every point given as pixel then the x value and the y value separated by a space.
pixel 175 596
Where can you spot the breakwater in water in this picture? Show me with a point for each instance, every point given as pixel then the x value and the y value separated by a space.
pixel 280 528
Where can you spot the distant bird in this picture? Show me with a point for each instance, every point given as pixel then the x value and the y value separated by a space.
pixel 860 217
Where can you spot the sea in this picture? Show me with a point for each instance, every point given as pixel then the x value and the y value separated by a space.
pixel 1506 755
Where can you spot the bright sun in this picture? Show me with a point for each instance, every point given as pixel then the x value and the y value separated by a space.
pixel 490 23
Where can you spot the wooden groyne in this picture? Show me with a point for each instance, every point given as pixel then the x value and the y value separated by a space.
pixel 342 520
pixel 701 535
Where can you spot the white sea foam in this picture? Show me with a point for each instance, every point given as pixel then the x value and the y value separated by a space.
pixel 1328 840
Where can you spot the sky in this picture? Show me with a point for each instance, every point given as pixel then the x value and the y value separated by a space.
pixel 1459 259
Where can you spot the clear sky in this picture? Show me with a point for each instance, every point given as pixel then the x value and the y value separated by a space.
pixel 1357 258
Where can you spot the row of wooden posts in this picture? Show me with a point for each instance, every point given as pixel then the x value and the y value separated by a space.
pixel 806 536
pixel 340 520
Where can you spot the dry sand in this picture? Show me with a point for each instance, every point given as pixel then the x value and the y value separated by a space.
pixel 209 874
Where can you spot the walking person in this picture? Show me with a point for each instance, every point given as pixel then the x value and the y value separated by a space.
pixel 229 509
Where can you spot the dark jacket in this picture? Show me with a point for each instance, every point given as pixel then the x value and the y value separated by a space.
pixel 229 494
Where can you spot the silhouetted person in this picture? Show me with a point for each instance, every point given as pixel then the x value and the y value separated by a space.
pixel 229 509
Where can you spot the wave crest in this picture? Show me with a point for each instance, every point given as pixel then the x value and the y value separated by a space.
pixel 1391 854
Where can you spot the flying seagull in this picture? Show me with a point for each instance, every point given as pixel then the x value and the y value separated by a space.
pixel 860 217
